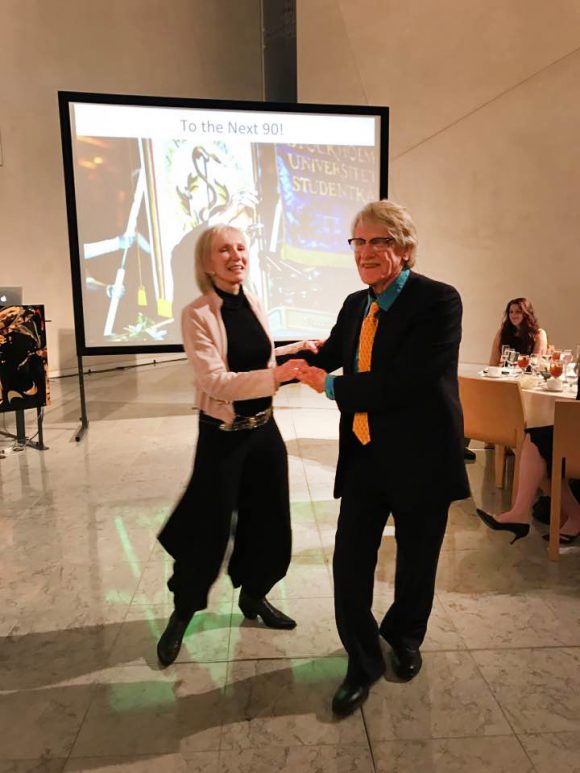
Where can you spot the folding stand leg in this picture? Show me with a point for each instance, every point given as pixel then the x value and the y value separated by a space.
pixel 20 435
pixel 84 417
pixel 39 445
pixel 20 428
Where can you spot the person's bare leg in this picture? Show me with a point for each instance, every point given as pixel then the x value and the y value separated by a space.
pixel 533 474
pixel 570 516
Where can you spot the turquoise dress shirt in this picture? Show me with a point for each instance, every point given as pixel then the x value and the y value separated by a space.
pixel 385 301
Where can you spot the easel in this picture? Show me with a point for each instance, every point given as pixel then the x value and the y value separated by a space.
pixel 20 435
pixel 84 418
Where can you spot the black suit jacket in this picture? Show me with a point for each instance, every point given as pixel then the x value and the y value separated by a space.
pixel 411 392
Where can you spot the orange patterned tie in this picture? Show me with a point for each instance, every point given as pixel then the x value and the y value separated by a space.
pixel 360 424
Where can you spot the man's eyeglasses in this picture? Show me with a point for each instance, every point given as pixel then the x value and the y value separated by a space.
pixel 377 243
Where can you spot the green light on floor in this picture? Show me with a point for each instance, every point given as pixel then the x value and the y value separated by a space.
pixel 118 597
pixel 319 670
pixel 127 547
pixel 301 511
pixel 155 625
pixel 140 696
pixel 209 621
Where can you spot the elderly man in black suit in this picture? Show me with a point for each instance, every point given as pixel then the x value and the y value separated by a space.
pixel 401 442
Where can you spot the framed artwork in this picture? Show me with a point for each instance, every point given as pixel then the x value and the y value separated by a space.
pixel 23 360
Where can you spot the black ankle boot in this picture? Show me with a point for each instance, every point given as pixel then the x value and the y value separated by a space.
pixel 170 642
pixel 271 617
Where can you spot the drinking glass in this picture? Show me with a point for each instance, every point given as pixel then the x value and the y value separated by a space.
pixel 534 363
pixel 556 368
pixel 523 361
pixel 504 355
pixel 566 359
pixel 545 361
pixel 556 354
pixel 512 357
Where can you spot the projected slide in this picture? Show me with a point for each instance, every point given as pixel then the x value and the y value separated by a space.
pixel 145 179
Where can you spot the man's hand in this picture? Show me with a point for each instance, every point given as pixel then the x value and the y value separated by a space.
pixel 313 377
pixel 288 371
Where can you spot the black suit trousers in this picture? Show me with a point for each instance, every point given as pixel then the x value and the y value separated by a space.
pixel 419 531
pixel 244 471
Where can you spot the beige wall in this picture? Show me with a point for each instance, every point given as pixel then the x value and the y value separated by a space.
pixel 193 48
pixel 485 120
pixel 484 126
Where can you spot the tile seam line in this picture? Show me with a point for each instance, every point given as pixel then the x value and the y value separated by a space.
pixel 503 711
pixel 485 104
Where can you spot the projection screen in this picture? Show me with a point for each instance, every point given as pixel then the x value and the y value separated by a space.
pixel 144 176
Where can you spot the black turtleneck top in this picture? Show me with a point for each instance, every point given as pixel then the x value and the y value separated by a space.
pixel 249 347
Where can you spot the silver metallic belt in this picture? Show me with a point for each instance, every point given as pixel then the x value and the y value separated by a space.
pixel 247 422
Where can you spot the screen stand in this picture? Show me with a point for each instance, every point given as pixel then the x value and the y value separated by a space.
pixel 20 435
pixel 20 428
pixel 84 419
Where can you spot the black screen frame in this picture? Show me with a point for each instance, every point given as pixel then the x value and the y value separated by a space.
pixel 65 98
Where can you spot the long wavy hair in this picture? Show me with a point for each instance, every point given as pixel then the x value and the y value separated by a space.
pixel 523 338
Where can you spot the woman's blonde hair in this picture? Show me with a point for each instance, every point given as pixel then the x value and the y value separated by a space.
pixel 203 251
pixel 397 219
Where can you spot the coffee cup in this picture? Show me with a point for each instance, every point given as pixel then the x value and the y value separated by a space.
pixel 554 385
pixel 494 371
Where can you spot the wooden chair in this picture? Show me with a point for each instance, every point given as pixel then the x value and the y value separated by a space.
pixel 565 463
pixel 493 412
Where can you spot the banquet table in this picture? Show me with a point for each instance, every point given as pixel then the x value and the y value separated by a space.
pixel 538 402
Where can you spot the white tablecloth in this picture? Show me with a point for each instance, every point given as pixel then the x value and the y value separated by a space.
pixel 538 403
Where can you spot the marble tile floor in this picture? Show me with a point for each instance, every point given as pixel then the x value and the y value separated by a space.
pixel 83 601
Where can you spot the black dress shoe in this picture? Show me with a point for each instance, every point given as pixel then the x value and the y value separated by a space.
pixel 519 530
pixel 170 642
pixel 349 697
pixel 469 455
pixel 351 694
pixel 406 662
pixel 271 617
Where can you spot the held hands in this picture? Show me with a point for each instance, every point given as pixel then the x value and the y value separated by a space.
pixel 301 370
pixel 313 377
pixel 288 371
pixel 310 346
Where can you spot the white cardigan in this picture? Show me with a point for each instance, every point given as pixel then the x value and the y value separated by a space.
pixel 206 344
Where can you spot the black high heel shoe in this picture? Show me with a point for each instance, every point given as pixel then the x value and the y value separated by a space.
pixel 519 530
pixel 565 539
pixel 271 617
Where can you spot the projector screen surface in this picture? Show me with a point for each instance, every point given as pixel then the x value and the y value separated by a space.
pixel 145 176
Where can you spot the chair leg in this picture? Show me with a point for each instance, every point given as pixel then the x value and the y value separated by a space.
pixel 555 509
pixel 499 466
pixel 515 483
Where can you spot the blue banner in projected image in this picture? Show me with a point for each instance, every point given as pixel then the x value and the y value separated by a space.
pixel 321 189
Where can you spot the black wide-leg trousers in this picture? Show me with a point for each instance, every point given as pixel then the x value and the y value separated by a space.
pixel 244 471
pixel 419 531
